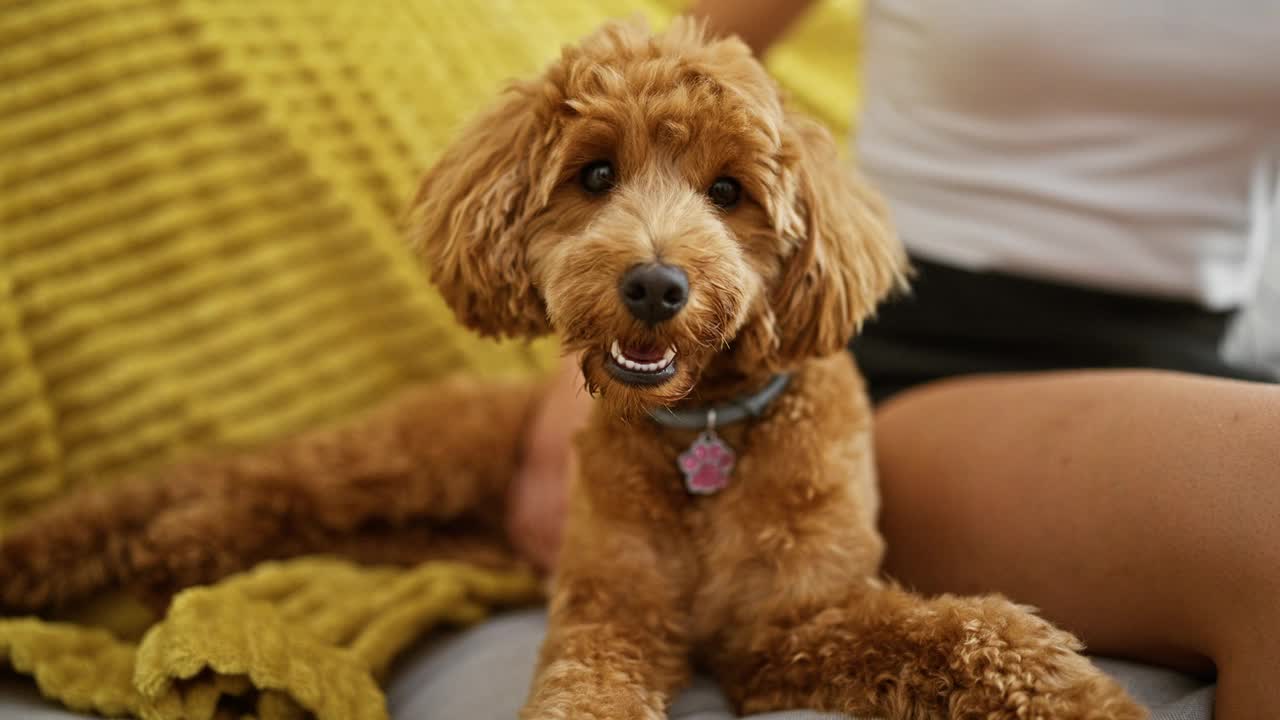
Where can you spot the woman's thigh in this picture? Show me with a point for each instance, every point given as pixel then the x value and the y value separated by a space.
pixel 1136 508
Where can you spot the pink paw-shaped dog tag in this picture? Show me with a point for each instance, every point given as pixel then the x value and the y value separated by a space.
pixel 707 464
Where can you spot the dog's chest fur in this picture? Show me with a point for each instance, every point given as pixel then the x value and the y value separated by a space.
pixel 789 534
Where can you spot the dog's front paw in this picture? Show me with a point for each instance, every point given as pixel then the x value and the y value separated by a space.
pixel 1019 666
pixel 569 691
pixel 589 706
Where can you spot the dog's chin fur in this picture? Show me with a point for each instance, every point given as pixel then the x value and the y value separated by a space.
pixel 628 399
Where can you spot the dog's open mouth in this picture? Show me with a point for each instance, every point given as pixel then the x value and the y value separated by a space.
pixel 641 364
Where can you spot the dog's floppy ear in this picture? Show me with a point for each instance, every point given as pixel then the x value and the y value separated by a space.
pixel 469 218
pixel 846 257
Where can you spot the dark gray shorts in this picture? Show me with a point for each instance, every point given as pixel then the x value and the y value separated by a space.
pixel 957 322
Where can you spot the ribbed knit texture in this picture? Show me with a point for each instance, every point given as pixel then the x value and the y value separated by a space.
pixel 313 634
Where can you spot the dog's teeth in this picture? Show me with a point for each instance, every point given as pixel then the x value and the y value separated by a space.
pixel 615 350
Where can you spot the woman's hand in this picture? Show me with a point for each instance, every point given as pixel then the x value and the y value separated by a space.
pixel 539 492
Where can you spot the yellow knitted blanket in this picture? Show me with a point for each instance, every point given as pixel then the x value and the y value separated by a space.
pixel 199 248
pixel 312 635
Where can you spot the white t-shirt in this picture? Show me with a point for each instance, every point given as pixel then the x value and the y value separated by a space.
pixel 1121 144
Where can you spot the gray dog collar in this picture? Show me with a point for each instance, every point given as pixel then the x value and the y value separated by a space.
pixel 734 411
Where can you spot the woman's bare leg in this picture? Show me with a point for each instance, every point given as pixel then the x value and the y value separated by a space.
pixel 1138 509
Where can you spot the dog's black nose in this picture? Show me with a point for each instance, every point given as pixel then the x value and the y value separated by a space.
pixel 654 292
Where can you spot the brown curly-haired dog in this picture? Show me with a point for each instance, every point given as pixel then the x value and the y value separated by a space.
pixel 652 200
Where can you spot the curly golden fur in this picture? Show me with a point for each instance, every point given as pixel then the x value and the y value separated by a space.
pixel 772 583
pixel 422 477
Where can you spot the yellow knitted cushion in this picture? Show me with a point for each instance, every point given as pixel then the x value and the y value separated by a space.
pixel 198 222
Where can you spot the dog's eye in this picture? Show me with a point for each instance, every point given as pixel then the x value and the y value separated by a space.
pixel 597 177
pixel 725 192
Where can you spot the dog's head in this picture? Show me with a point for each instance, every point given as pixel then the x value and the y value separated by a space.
pixel 652 200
